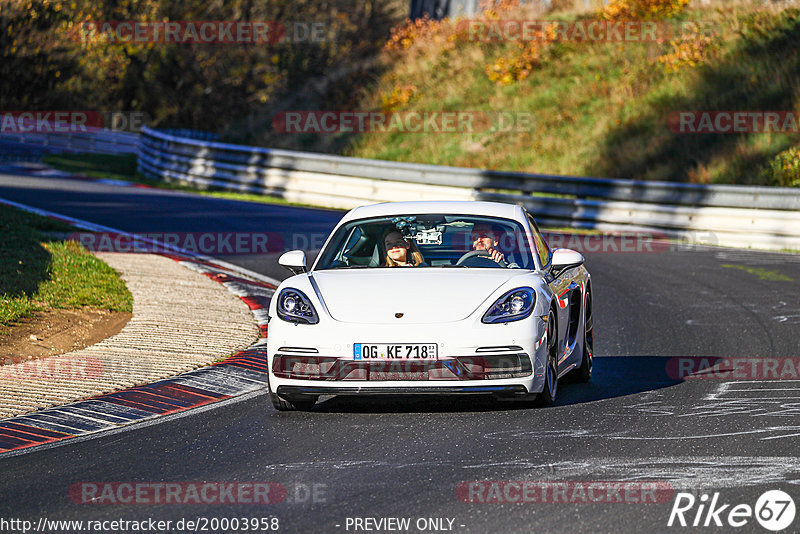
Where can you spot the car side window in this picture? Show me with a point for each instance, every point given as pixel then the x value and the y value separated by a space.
pixel 542 249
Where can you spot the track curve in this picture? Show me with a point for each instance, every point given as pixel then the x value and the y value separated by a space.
pixel 407 457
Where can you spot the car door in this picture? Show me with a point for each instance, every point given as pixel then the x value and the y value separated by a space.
pixel 567 294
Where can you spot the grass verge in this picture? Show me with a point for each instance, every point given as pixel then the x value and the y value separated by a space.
pixel 39 272
pixel 600 108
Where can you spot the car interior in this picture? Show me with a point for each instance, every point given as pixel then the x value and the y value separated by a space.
pixel 441 243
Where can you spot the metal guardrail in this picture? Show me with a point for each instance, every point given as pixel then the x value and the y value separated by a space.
pixel 191 134
pixel 95 140
pixel 743 216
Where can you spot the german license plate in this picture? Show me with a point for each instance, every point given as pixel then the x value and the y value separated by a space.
pixel 395 351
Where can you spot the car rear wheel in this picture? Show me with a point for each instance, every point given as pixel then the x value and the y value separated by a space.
pixel 548 394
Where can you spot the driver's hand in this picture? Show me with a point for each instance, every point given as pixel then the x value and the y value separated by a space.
pixel 496 255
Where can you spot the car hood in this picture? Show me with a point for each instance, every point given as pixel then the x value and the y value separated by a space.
pixel 427 295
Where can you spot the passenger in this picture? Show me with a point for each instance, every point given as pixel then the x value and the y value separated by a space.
pixel 398 250
pixel 484 237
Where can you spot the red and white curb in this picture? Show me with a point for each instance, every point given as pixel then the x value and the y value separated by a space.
pixel 243 373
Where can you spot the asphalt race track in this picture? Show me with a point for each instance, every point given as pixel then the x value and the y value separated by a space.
pixel 412 457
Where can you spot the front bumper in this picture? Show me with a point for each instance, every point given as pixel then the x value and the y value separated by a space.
pixel 478 367
pixel 290 391
pixel 503 359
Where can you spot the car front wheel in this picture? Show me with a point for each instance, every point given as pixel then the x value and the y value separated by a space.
pixel 548 394
pixel 294 404
pixel 584 372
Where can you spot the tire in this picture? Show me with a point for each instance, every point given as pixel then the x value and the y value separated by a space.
pixel 548 394
pixel 296 404
pixel 584 372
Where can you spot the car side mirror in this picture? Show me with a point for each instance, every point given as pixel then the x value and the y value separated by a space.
pixel 563 259
pixel 294 260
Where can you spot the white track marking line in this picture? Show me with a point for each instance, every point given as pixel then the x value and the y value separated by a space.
pixel 86 225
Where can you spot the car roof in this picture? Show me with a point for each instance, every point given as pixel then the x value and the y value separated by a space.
pixel 454 207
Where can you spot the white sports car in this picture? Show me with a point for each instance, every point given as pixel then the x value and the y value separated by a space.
pixel 430 297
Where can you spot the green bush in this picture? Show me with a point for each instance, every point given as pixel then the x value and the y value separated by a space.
pixel 784 169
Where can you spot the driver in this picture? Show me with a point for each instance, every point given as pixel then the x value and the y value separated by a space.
pixel 484 237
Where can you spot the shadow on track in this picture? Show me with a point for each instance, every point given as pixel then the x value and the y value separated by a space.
pixel 614 376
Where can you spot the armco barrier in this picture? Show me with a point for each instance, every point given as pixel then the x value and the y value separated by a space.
pixel 94 140
pixel 741 216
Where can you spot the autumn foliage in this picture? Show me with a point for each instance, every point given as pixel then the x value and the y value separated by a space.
pixel 47 61
pixel 642 9
pixel 689 49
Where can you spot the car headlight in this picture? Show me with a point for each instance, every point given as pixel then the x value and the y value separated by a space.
pixel 295 307
pixel 515 305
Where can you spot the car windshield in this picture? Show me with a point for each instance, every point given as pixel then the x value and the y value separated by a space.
pixel 428 241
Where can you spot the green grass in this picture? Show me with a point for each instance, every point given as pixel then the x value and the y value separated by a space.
pixel 38 271
pixel 123 167
pixel 600 109
pixel 119 167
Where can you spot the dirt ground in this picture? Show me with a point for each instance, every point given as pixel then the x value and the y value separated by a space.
pixel 56 331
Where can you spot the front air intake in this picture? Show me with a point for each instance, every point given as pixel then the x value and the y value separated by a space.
pixel 484 367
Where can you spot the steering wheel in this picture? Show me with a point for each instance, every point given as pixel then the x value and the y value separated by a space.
pixel 481 256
